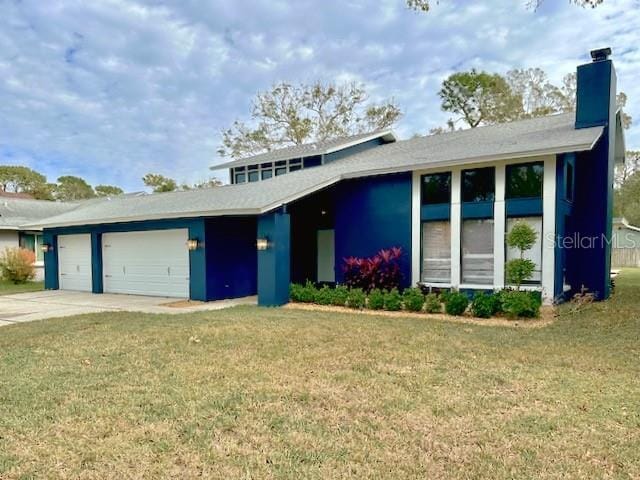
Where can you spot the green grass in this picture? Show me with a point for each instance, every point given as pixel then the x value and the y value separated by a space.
pixel 7 288
pixel 274 393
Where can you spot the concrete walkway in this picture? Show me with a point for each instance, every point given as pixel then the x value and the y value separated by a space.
pixel 25 307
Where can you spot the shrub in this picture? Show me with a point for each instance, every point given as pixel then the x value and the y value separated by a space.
pixel 432 303
pixel 484 305
pixel 413 299
pixel 516 303
pixel 16 265
pixel 324 296
pixel 380 271
pixel 456 303
pixel 340 295
pixel 376 299
pixel 522 237
pixel 393 300
pixel 356 298
pixel 303 293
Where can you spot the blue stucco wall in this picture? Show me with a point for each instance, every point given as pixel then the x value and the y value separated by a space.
pixel 197 258
pixel 373 213
pixel 231 257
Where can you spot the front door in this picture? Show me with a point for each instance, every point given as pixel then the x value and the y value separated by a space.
pixel 326 256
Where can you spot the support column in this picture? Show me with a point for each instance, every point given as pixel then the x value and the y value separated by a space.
pixel 96 262
pixel 456 227
pixel 274 263
pixel 50 261
pixel 416 225
pixel 499 214
pixel 549 230
pixel 198 262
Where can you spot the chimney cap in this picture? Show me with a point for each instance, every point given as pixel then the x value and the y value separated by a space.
pixel 600 54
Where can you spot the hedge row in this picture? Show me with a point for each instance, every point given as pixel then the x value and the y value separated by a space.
pixel 511 303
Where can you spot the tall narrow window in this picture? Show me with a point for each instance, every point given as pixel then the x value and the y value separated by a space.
pixel 477 252
pixel 436 252
pixel 524 180
pixel 478 185
pixel 436 188
pixel 535 254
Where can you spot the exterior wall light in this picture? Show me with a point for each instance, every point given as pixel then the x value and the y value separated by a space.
pixel 45 247
pixel 193 244
pixel 262 243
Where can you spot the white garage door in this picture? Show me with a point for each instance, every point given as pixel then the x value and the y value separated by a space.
pixel 152 263
pixel 74 262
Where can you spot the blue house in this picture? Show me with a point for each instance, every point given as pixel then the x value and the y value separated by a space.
pixel 295 214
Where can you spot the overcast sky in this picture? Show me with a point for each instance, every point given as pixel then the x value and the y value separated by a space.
pixel 110 90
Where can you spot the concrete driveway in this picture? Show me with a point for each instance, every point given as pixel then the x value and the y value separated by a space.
pixel 25 307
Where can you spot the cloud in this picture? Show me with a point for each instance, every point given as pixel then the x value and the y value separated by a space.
pixel 112 90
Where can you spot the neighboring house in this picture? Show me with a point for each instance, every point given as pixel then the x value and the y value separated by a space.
pixel 446 200
pixel 626 244
pixel 17 210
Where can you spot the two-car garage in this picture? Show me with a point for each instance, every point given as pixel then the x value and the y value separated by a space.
pixel 153 262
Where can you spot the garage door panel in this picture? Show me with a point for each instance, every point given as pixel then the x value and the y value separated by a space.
pixel 147 263
pixel 74 262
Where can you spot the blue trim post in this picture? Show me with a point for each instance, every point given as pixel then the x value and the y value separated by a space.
pixel 274 269
pixel 198 262
pixel 96 262
pixel 50 261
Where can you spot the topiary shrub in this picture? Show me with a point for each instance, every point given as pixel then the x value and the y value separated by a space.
pixel 413 299
pixel 393 300
pixel 376 299
pixel 340 295
pixel 324 296
pixel 456 303
pixel 432 303
pixel 484 305
pixel 522 237
pixel 356 298
pixel 520 304
pixel 16 265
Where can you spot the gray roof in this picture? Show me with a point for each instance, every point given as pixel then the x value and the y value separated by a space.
pixel 15 212
pixel 309 149
pixel 541 136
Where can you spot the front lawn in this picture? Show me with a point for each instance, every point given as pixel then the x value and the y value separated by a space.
pixel 283 393
pixel 7 288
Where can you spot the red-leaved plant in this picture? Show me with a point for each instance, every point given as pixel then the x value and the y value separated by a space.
pixel 380 271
